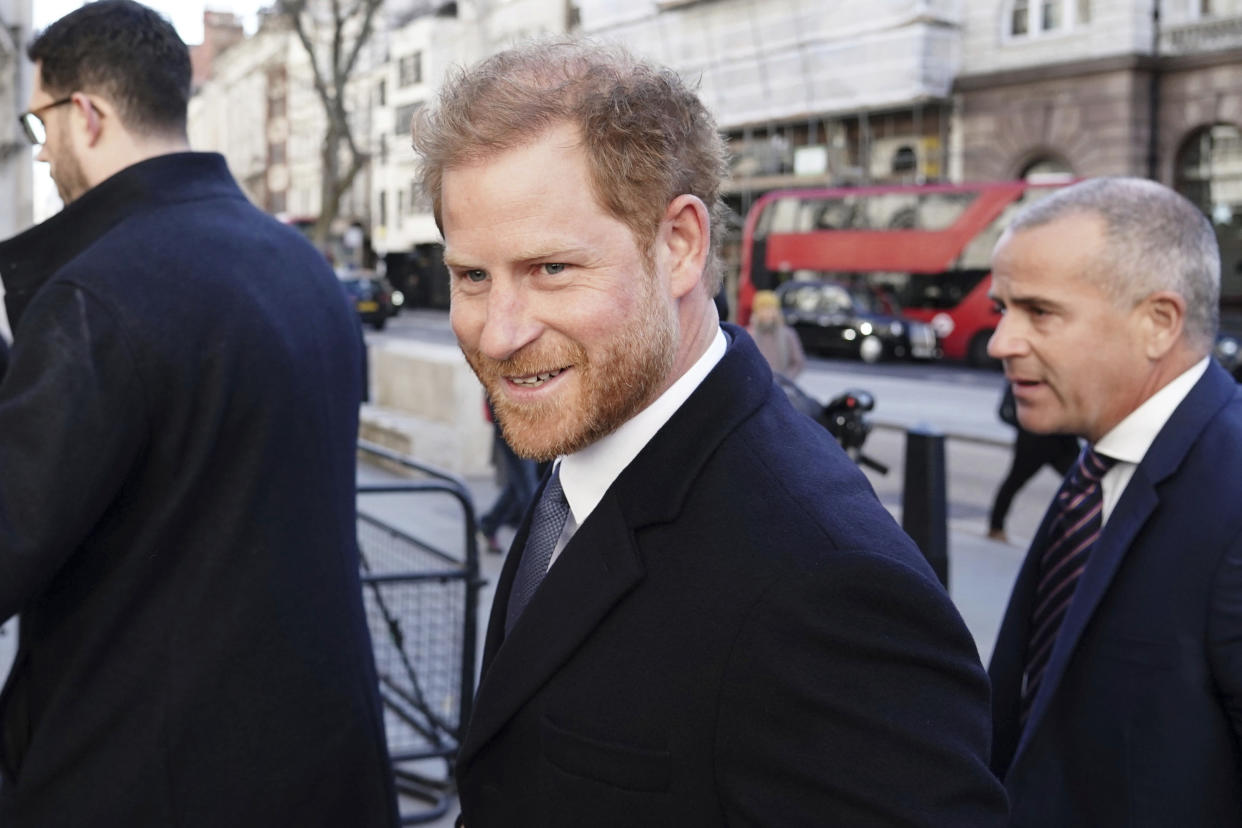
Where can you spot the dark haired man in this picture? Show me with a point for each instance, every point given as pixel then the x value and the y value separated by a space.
pixel 665 648
pixel 177 431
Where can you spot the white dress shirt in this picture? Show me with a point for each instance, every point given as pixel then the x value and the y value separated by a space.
pixel 1129 440
pixel 587 474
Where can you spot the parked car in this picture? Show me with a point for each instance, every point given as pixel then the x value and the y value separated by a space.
pixel 372 296
pixel 831 318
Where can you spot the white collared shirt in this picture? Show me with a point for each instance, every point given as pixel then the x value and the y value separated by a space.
pixel 587 474
pixel 1129 440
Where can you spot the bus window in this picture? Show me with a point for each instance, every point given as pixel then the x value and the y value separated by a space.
pixel 929 247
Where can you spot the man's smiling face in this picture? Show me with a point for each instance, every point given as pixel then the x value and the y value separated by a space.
pixel 569 327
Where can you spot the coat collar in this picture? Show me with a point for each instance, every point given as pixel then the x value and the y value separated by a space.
pixel 29 259
pixel 1140 499
pixel 602 562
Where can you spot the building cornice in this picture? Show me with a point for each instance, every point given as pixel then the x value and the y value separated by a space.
pixel 1095 66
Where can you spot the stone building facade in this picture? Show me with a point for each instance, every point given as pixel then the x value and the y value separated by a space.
pixel 1109 87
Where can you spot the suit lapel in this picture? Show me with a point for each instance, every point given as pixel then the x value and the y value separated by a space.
pixel 1132 511
pixel 594 571
pixel 1138 502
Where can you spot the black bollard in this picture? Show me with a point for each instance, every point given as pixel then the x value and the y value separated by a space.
pixel 924 509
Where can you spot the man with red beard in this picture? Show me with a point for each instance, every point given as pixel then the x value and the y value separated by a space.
pixel 1118 668
pixel 667 647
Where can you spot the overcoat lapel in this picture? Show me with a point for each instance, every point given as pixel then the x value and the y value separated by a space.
pixel 593 572
pixel 1139 501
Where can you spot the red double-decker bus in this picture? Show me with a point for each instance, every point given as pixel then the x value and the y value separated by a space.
pixel 928 246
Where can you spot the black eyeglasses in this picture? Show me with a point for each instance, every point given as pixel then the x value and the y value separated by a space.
pixel 33 126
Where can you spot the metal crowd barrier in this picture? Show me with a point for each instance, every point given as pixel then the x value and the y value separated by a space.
pixel 421 605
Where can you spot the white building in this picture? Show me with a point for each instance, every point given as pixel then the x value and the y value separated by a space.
pixel 809 91
pixel 16 172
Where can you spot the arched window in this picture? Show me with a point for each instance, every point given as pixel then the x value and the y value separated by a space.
pixel 905 161
pixel 1046 169
pixel 1209 173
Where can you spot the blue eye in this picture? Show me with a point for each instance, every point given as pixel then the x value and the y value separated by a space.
pixel 553 268
pixel 475 275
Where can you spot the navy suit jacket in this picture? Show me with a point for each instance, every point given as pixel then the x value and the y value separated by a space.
pixel 738 634
pixel 178 431
pixel 1138 720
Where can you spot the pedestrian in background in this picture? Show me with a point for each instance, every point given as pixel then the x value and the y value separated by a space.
pixel 777 341
pixel 1117 673
pixel 518 484
pixel 1031 452
pixel 177 440
pixel 665 648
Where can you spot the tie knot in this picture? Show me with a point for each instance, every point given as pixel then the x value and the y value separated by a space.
pixel 1094 465
pixel 553 493
pixel 1088 471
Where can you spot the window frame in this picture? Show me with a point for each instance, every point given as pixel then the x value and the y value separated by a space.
pixel 1070 20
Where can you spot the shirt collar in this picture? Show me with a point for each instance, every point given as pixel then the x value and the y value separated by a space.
pixel 587 474
pixel 1129 440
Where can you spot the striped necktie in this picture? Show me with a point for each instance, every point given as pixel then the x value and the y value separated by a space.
pixel 1071 536
pixel 546 525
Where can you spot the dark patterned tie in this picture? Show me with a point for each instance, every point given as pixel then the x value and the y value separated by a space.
pixel 546 525
pixel 1071 536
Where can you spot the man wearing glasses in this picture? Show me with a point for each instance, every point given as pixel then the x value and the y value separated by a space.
pixel 177 430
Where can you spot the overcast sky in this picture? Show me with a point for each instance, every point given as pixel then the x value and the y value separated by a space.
pixel 186 15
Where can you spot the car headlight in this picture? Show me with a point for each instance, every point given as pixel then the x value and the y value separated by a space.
pixel 865 329
pixel 896 329
pixel 398 298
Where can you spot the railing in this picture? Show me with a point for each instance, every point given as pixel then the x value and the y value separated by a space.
pixel 422 610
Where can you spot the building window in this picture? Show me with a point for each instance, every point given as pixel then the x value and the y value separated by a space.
pixel 410 69
pixel 405 114
pixel 1051 15
pixel 1032 18
pixel 1209 173
pixel 383 208
pixel 1019 18
pixel 905 161
pixel 381 94
pixel 1047 169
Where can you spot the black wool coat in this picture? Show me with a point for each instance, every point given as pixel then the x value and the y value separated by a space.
pixel 177 524
pixel 738 634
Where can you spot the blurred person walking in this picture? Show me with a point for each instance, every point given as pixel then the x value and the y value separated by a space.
pixel 177 442
pixel 1117 673
pixel 777 341
pixel 519 479
pixel 666 649
pixel 1031 452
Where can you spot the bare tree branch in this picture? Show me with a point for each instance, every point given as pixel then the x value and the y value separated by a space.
pixel 352 24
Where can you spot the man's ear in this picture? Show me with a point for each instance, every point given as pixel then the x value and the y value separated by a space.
pixel 92 112
pixel 685 239
pixel 1163 315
